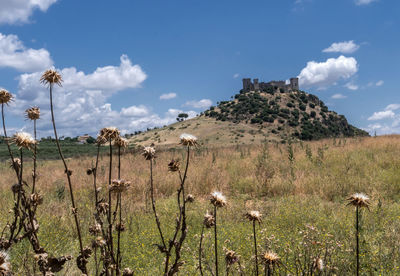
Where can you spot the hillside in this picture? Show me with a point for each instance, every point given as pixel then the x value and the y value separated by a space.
pixel 255 116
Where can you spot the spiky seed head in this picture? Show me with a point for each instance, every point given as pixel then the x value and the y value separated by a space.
pixel 102 208
pixel 32 113
pixel 119 185
pixel 319 264
pixel 3 257
pixel 23 140
pixel 149 153
pixel 99 242
pixel 109 133
pixel 36 199
pixel 127 272
pixel 121 142
pixel 359 200
pixel 217 199
pixel 188 140
pixel 270 258
pixel 231 257
pixel 120 227
pixel 209 220
pixel 190 198
pixel 253 216
pixel 173 166
pixel 95 229
pixel 5 96
pixel 51 77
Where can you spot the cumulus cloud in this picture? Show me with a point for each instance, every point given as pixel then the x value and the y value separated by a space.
pixel 351 86
pixel 338 96
pixel 364 2
pixel 392 107
pixel 14 54
pixel 135 111
pixel 324 74
pixel 379 83
pixel 168 96
pixel 381 115
pixel 345 47
pixel 19 11
pixel 202 104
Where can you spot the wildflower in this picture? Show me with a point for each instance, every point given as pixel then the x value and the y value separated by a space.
pixel 217 199
pixel 231 257
pixel 190 198
pixel 119 185
pixel 253 216
pixel 188 140
pixel 5 96
pixel 109 133
pixel 50 77
pixel 270 258
pixel 23 140
pixel 173 166
pixel 32 113
pixel 121 142
pixel 359 200
pixel 149 153
pixel 209 220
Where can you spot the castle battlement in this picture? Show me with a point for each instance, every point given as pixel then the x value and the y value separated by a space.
pixel 248 85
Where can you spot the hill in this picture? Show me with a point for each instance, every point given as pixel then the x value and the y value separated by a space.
pixel 272 114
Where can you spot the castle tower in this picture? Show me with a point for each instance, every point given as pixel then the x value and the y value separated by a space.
pixel 256 85
pixel 246 85
pixel 294 83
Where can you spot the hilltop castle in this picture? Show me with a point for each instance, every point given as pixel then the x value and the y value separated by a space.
pixel 260 86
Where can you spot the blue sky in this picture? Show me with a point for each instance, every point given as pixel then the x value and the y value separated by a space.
pixel 137 64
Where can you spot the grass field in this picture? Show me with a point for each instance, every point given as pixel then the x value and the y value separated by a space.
pixel 300 189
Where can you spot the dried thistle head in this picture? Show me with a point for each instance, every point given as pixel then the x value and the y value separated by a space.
pixel 51 77
pixel 173 166
pixel 190 198
pixel 149 153
pixel 253 216
pixel 36 199
pixel 127 272
pixel 119 185
pixel 102 208
pixel 231 257
pixel 23 140
pixel 16 164
pixel 209 220
pixel 120 227
pixel 270 258
pixel 217 199
pixel 5 265
pixel 188 140
pixel 121 142
pixel 100 140
pixel 359 200
pixel 5 96
pixel 319 264
pixel 32 113
pixel 99 242
pixel 95 229
pixel 109 133
pixel 3 257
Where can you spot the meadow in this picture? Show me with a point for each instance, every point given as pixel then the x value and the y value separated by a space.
pixel 300 189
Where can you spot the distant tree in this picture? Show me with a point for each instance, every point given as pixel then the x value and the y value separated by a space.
pixel 182 116
pixel 90 140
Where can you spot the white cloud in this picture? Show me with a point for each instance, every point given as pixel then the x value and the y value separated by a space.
pixel 381 115
pixel 135 111
pixel 379 83
pixel 235 76
pixel 338 96
pixel 364 2
pixel 168 96
pixel 19 11
pixel 392 107
pixel 202 104
pixel 351 86
pixel 345 47
pixel 324 74
pixel 14 54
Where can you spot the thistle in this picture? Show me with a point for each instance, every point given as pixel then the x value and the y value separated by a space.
pixel 173 166
pixel 121 142
pixel 218 200
pixel 119 185
pixel 254 216
pixel 109 133
pixel 51 77
pixel 359 200
pixel 270 260
pixel 149 153
pixel 33 113
pixel 23 140
pixel 5 96
pixel 188 140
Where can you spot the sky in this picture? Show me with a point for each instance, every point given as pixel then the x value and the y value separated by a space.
pixel 136 64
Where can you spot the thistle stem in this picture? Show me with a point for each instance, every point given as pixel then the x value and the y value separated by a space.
pixel 110 236
pixel 215 241
pixel 120 214
pixel 6 140
pixel 255 245
pixel 357 241
pixel 34 158
pixel 67 171
pixel 201 250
